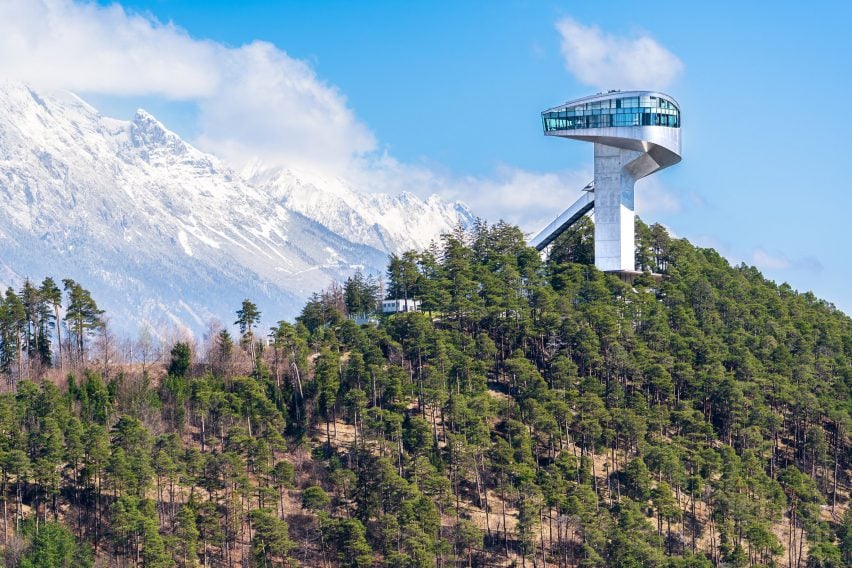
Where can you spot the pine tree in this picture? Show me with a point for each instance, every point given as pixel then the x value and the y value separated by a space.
pixel 271 539
pixel 54 546
pixel 82 316
pixel 186 533
pixel 12 329
pixel 51 296
pixel 247 317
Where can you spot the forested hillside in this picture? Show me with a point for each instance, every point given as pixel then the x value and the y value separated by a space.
pixel 535 413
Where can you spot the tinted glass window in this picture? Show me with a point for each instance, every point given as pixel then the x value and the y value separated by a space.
pixel 623 111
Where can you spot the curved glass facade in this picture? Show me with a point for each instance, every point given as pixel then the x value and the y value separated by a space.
pixel 645 110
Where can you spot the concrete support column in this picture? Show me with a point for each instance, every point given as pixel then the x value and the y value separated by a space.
pixel 614 213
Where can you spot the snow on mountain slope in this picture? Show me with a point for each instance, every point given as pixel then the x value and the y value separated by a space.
pixel 390 223
pixel 154 227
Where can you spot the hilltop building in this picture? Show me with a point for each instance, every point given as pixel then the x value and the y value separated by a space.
pixel 399 305
pixel 635 133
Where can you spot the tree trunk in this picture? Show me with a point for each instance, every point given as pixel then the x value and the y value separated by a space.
pixel 694 524
pixel 482 503
pixel 20 357
pixel 5 517
pixel 836 460
pixel 59 335
pixel 503 500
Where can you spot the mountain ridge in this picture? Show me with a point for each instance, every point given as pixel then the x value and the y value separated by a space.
pixel 162 230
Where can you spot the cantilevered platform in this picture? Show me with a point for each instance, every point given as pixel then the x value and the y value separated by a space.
pixel 635 133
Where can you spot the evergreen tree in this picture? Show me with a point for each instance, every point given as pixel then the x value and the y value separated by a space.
pixel 51 296
pixel 82 316
pixel 271 540
pixel 361 294
pixel 54 546
pixel 543 413
pixel 247 317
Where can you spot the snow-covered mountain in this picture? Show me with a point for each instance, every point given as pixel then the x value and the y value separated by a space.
pixel 159 230
pixel 389 223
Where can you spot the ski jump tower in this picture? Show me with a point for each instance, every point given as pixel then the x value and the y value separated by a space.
pixel 635 134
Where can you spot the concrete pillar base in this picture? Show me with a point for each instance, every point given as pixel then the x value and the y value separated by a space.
pixel 614 215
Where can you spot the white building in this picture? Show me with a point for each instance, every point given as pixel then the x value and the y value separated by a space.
pixel 635 133
pixel 400 305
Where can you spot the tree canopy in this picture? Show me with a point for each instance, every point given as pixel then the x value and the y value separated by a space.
pixel 536 412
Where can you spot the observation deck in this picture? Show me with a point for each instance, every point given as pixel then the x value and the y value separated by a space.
pixel 635 133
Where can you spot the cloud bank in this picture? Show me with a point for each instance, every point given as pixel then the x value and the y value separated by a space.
pixel 254 101
pixel 778 261
pixel 610 62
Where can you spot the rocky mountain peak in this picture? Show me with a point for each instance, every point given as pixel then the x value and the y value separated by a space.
pixel 160 230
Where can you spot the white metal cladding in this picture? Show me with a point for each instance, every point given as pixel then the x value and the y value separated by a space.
pixel 565 220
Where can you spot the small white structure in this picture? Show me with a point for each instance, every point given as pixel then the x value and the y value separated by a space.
pixel 399 306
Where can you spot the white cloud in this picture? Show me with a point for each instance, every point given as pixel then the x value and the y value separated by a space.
pixel 652 197
pixel 767 261
pixel 529 199
pixel 254 100
pixel 777 261
pixel 610 62
pixel 273 106
pixel 713 242
pixel 88 48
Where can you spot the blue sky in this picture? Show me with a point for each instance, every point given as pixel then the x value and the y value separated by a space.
pixel 450 93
